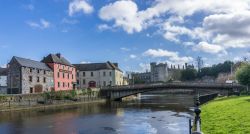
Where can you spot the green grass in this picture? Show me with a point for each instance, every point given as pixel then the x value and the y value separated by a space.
pixel 226 116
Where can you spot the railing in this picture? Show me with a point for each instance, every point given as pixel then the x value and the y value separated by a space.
pixel 181 84
pixel 197 120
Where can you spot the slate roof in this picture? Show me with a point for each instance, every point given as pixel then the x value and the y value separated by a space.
pixel 56 58
pixel 97 66
pixel 31 63
pixel 3 71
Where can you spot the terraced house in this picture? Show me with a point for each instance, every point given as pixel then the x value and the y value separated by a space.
pixel 64 72
pixel 98 75
pixel 29 76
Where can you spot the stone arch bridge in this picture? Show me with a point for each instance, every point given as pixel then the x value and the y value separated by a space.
pixel 119 92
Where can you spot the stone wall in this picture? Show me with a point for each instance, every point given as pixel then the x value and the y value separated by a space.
pixel 36 86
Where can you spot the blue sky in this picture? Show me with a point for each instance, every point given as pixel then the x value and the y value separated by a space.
pixel 132 33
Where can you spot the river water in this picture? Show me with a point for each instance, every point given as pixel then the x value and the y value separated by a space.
pixel 153 114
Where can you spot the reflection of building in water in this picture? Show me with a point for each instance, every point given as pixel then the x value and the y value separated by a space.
pixel 120 112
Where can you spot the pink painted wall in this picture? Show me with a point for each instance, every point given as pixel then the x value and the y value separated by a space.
pixel 66 70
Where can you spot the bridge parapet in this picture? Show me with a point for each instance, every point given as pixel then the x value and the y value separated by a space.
pixel 181 85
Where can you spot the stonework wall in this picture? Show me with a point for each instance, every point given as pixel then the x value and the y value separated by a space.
pixel 36 86
pixel 14 78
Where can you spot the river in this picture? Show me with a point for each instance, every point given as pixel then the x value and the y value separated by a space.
pixel 152 114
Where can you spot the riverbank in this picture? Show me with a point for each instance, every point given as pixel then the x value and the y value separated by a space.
pixel 226 116
pixel 52 106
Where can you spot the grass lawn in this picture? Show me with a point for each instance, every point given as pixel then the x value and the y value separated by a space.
pixel 226 116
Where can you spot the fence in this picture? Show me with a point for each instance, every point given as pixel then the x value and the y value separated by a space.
pixel 197 120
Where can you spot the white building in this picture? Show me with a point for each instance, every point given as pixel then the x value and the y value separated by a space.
pixel 3 80
pixel 98 75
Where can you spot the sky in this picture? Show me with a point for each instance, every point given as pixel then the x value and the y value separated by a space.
pixel 132 33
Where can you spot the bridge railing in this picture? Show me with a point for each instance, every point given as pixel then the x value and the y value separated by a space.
pixel 173 84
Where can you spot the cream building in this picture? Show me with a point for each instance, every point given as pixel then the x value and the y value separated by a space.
pixel 98 75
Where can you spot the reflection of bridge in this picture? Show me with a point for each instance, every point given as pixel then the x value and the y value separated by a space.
pixel 118 92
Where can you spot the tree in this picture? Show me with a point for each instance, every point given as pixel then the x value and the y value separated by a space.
pixel 243 74
pixel 188 74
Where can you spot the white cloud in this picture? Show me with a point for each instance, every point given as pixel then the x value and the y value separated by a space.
pixel 76 6
pixel 69 21
pixel 85 62
pixel 132 56
pixel 225 23
pixel 103 27
pixel 208 48
pixel 144 67
pixel 125 49
pixel 171 56
pixel 4 66
pixel 124 13
pixel 42 24
pixel 30 7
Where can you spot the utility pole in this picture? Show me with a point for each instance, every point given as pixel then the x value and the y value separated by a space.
pixel 199 63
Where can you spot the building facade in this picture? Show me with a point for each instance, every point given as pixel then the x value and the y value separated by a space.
pixel 159 72
pixel 98 75
pixel 3 80
pixel 28 76
pixel 64 72
pixel 141 78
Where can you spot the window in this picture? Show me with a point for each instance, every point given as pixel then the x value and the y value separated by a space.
pixel 68 75
pixel 68 84
pixel 104 73
pixel 110 73
pixel 110 83
pixel 72 76
pixel 30 78
pixel 77 82
pixel 31 90
pixel 31 70
pixel 83 82
pixel 58 74
pixel 44 79
pixel 58 84
pixel 92 74
pixel 38 71
pixel 104 83
pixel 44 72
pixel 63 75
pixel 63 84
pixel 77 74
pixel 38 79
pixel 83 74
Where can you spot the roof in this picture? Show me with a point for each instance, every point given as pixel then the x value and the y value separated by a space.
pixel 97 66
pixel 31 63
pixel 56 58
pixel 3 71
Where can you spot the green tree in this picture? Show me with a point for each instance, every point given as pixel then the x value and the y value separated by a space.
pixel 188 74
pixel 243 74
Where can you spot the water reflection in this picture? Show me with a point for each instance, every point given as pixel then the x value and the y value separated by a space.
pixel 153 114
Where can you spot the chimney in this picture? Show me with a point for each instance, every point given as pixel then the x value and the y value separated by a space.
pixel 58 55
pixel 174 66
pixel 171 66
pixel 183 67
pixel 178 66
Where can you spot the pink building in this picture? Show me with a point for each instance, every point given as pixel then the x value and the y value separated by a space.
pixel 64 72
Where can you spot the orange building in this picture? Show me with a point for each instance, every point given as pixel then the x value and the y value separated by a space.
pixel 64 72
